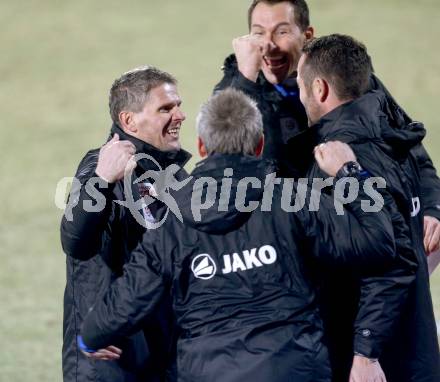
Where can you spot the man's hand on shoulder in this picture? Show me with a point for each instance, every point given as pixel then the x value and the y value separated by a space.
pixel 366 370
pixel 110 353
pixel 431 234
pixel 249 53
pixel 115 157
pixel 331 156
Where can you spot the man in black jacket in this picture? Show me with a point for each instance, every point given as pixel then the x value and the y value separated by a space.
pixel 238 266
pixel 333 75
pixel 98 231
pixel 264 67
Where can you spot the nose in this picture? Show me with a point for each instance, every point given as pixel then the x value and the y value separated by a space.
pixel 269 43
pixel 179 115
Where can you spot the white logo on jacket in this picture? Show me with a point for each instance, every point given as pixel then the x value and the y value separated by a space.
pixel 416 206
pixel 203 266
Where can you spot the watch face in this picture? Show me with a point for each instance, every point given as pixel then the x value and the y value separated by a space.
pixel 352 168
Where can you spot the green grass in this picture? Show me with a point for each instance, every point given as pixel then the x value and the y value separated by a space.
pixel 59 59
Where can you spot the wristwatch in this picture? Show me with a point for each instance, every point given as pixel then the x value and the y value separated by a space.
pixel 350 169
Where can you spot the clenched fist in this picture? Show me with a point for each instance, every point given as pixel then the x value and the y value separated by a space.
pixel 115 157
pixel 331 156
pixel 249 51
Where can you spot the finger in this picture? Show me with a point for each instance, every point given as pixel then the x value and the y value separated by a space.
pixel 115 140
pixel 114 349
pixel 430 227
pixel 319 157
pixel 319 154
pixel 434 241
pixel 132 148
pixel 124 144
pixel 103 353
pixel 102 358
pixel 131 165
pixel 125 147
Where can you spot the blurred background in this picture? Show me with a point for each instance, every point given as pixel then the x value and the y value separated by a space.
pixel 59 59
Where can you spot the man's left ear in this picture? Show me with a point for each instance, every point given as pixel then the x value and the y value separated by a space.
pixel 260 147
pixel 127 122
pixel 309 33
pixel 201 148
pixel 320 89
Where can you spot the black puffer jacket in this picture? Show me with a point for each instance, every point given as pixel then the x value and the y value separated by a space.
pixel 97 244
pixel 412 352
pixel 240 280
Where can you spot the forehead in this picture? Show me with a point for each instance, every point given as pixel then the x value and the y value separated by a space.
pixel 163 93
pixel 267 15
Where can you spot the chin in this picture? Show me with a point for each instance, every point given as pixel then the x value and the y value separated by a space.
pixel 275 78
pixel 173 146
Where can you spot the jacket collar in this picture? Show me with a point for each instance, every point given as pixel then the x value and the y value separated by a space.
pixel 359 118
pixel 242 165
pixel 366 119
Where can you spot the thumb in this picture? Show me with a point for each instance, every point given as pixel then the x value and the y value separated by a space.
pixel 115 138
pixel 319 157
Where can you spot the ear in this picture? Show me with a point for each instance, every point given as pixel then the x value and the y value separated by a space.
pixel 201 148
pixel 321 89
pixel 309 33
pixel 127 122
pixel 260 146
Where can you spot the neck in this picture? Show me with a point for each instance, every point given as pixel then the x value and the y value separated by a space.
pixel 332 104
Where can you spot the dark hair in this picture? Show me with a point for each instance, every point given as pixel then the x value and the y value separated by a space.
pixel 131 90
pixel 302 18
pixel 342 61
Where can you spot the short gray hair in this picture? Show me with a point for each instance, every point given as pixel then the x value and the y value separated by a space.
pixel 230 123
pixel 130 91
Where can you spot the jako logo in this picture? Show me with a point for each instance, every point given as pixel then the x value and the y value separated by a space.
pixel 249 259
pixel 203 267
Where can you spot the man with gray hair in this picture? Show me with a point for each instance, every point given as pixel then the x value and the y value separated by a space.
pixel 238 273
pixel 145 109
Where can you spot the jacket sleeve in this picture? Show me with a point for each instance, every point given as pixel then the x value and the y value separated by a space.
pixel 355 240
pixel 429 181
pixel 82 232
pixel 377 248
pixel 130 299
pixel 383 292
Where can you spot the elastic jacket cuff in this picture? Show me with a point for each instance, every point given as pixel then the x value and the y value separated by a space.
pixel 82 346
pixel 365 343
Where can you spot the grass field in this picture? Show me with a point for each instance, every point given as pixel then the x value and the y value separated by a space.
pixel 59 59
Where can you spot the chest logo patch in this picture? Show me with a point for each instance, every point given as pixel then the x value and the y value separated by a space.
pixel 203 267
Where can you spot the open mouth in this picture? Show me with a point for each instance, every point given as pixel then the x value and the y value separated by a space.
pixel 173 131
pixel 276 63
